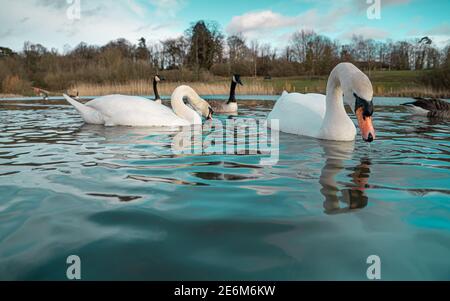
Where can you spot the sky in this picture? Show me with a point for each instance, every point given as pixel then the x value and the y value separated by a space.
pixel 62 24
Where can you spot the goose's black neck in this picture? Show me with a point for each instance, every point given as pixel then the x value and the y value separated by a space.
pixel 155 90
pixel 232 92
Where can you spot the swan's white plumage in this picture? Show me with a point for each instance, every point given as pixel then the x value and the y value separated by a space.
pixel 323 116
pixel 127 111
pixel 299 114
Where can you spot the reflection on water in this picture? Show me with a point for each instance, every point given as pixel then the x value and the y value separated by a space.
pixel 105 193
pixel 353 196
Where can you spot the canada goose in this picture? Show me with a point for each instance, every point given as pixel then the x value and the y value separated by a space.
pixel 432 108
pixel 44 95
pixel 41 92
pixel 76 96
pixel 231 105
pixel 156 80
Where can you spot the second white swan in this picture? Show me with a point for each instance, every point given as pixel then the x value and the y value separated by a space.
pixel 116 110
pixel 324 116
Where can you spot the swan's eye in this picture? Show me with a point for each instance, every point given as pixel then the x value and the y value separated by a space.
pixel 366 105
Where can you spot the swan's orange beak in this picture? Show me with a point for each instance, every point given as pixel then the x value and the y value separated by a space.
pixel 366 126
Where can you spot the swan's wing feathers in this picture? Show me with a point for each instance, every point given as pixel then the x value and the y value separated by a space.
pixel 134 111
pixel 309 102
pixel 89 115
pixel 300 114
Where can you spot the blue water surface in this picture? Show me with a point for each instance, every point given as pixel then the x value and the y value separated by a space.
pixel 132 209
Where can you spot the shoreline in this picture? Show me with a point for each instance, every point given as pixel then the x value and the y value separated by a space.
pixel 402 93
pixel 385 84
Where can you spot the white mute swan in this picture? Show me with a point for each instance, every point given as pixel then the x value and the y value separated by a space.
pixel 231 105
pixel 126 110
pixel 324 117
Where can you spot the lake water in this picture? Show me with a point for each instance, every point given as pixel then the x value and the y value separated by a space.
pixel 130 209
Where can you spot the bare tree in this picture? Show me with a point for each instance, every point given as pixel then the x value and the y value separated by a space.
pixel 237 49
pixel 175 51
pixel 254 47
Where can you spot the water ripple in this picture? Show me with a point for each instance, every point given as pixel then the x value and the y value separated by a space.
pixel 121 198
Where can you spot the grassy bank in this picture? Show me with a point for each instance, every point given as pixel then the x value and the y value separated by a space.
pixel 9 95
pixel 385 83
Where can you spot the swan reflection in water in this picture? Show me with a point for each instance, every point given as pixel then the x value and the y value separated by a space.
pixel 167 142
pixel 353 196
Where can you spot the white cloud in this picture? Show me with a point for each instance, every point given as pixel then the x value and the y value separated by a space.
pixel 45 22
pixel 259 21
pixel 367 32
pixel 395 2
pixel 262 23
pixel 439 34
pixel 363 5
pixel 136 8
pixel 271 27
pixel 442 29
pixel 168 7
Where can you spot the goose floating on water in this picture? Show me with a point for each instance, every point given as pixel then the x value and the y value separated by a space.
pixel 433 108
pixel 124 110
pixel 231 105
pixel 42 93
pixel 156 80
pixel 324 116
pixel 76 96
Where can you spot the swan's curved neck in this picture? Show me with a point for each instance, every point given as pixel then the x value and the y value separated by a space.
pixel 334 97
pixel 336 124
pixel 155 90
pixel 180 108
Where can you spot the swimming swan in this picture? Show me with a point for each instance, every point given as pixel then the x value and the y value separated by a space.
pixel 324 117
pixel 126 110
pixel 231 105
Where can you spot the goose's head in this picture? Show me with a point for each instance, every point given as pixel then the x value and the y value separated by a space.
pixel 157 78
pixel 358 94
pixel 237 79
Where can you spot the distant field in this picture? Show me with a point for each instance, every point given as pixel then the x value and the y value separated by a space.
pixel 385 83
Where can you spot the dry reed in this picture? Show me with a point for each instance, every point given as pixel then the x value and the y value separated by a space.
pixel 419 91
pixel 6 95
pixel 143 87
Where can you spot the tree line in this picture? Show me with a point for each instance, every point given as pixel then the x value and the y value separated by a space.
pixel 204 52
